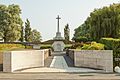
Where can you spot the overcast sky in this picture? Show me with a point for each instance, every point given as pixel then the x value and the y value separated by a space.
pixel 42 13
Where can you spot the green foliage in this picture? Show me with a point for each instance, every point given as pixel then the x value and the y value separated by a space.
pixel 36 36
pixel 10 22
pixel 4 47
pixel 31 35
pixel 67 33
pixel 93 46
pixel 112 44
pixel 22 33
pixel 68 46
pixel 28 47
pixel 81 31
pixel 28 33
pixel 103 22
pixel 45 46
pixel 75 45
pixel 81 39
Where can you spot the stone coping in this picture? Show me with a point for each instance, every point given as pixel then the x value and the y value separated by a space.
pixel 88 50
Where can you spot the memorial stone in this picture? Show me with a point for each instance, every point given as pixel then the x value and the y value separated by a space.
pixel 58 44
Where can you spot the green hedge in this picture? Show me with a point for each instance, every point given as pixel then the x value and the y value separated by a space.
pixel 28 47
pixel 81 39
pixel 112 44
pixel 68 46
pixel 4 47
pixel 45 46
pixel 93 46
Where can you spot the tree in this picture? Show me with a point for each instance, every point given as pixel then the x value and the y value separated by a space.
pixel 27 31
pixel 10 22
pixel 22 34
pixel 103 22
pixel 36 36
pixel 67 32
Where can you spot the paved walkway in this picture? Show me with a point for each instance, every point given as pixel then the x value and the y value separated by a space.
pixel 58 76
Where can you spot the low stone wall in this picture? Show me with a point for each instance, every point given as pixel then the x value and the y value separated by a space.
pixel 15 60
pixel 99 59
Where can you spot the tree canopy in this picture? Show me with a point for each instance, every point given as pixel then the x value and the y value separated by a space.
pixel 10 22
pixel 36 36
pixel 11 25
pixel 103 22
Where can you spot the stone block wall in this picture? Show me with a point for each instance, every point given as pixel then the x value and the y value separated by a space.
pixel 15 60
pixel 98 59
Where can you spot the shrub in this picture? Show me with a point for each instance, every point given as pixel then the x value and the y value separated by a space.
pixel 74 46
pixel 93 46
pixel 112 44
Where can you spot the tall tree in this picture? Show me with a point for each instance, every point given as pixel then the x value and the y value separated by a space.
pixel 67 32
pixel 27 31
pixel 10 22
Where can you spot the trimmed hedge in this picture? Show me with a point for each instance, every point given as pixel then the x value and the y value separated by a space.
pixel 112 44
pixel 68 46
pixel 45 46
pixel 93 46
pixel 81 39
pixel 4 47
pixel 28 47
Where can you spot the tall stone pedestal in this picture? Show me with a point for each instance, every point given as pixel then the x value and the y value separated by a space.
pixel 58 45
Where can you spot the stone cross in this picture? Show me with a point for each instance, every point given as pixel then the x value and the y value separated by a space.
pixel 58 23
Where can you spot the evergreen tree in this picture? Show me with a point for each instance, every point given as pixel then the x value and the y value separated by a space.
pixel 67 32
pixel 22 34
pixel 27 31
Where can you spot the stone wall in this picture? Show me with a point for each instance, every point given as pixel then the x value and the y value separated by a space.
pixel 15 60
pixel 98 59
